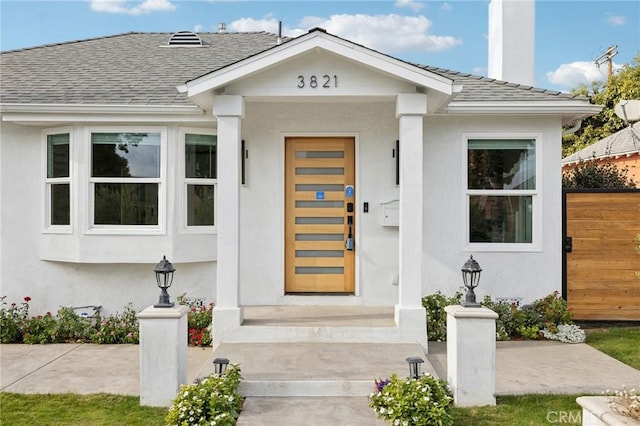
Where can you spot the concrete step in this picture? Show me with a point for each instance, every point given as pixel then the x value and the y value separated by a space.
pixel 316 369
pixel 315 324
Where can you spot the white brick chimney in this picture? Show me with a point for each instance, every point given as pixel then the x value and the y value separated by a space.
pixel 511 41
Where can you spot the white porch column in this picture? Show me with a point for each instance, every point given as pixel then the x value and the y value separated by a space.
pixel 229 111
pixel 409 313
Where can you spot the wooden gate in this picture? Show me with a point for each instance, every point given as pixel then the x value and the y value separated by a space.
pixel 600 260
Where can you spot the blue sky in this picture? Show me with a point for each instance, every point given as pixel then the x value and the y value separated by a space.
pixel 449 34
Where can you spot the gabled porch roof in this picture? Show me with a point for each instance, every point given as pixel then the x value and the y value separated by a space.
pixel 202 89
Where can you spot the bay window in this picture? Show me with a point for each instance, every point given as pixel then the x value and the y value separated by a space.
pixel 502 191
pixel 200 166
pixel 125 178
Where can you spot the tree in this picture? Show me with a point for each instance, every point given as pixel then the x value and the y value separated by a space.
pixel 624 84
pixel 594 174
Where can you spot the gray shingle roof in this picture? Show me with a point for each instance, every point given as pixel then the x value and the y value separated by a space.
pixel 132 69
pixel 128 68
pixel 623 142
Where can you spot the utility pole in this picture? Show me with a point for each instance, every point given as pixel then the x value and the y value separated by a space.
pixel 608 58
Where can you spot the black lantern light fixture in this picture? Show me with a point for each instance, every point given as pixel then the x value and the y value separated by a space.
pixel 471 277
pixel 220 365
pixel 414 366
pixel 164 277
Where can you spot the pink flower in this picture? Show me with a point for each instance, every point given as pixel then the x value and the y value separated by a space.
pixel 27 299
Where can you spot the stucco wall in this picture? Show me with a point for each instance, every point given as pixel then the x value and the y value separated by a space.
pixel 529 275
pixel 51 284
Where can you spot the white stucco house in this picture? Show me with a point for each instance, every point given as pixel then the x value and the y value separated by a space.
pixel 250 160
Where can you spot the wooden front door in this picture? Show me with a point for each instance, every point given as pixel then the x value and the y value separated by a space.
pixel 320 210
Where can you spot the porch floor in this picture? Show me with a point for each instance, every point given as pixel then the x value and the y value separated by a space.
pixel 319 316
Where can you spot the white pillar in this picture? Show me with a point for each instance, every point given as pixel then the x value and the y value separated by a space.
pixel 409 313
pixel 163 354
pixel 471 355
pixel 229 111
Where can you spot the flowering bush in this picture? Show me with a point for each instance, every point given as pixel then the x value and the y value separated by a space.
pixel 412 402
pixel 625 402
pixel 436 316
pixel 566 333
pixel 39 329
pixel 11 320
pixel 199 319
pixel 526 322
pixel 16 326
pixel 118 328
pixel 211 401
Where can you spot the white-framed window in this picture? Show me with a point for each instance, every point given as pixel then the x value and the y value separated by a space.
pixel 502 186
pixel 200 175
pixel 58 178
pixel 126 179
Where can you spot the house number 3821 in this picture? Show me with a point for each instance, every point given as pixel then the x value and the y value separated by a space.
pixel 313 81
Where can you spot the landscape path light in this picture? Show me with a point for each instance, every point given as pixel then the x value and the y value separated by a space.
pixel 471 277
pixel 220 365
pixel 414 366
pixel 164 277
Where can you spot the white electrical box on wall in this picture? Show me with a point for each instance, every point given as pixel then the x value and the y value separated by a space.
pixel 391 213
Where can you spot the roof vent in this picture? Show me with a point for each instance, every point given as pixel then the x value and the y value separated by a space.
pixel 185 38
pixel 222 28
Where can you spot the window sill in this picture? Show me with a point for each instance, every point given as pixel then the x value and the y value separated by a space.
pixel 502 248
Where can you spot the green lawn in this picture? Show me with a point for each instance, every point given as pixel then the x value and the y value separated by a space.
pixel 522 411
pixel 620 343
pixel 72 409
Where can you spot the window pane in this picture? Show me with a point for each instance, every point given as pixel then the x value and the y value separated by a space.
pixel 200 156
pixel 58 155
pixel 60 203
pixel 135 155
pixel 495 219
pixel 501 164
pixel 126 204
pixel 200 205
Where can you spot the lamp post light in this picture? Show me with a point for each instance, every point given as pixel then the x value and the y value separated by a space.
pixel 471 277
pixel 220 365
pixel 414 366
pixel 164 277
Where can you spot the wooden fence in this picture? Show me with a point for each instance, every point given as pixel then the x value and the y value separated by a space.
pixel 600 260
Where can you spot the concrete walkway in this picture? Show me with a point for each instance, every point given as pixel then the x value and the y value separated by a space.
pixel 522 368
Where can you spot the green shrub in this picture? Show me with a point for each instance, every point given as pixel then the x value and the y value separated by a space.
pixel 552 310
pixel 71 327
pixel 214 400
pixel 39 329
pixel 118 328
pixel 416 402
pixel 11 320
pixel 434 304
pixel 543 316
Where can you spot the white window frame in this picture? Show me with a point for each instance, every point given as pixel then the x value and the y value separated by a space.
pixel 184 214
pixel 160 228
pixel 536 196
pixel 47 227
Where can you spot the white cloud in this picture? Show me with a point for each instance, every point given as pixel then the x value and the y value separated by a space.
pixel 198 28
pixel 390 33
pixel 131 8
pixel 616 20
pixel 411 4
pixel 446 7
pixel 580 72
